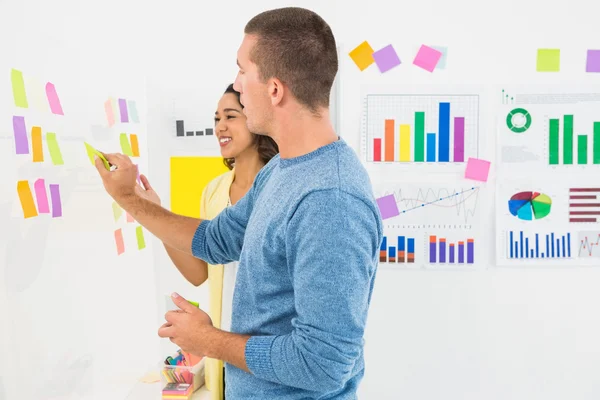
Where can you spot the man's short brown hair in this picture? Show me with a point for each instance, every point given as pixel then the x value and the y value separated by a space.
pixel 296 46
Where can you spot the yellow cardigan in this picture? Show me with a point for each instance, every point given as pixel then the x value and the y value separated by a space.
pixel 215 198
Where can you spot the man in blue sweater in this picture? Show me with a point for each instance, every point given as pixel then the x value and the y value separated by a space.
pixel 307 233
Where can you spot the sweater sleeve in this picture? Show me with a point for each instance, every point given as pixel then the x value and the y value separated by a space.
pixel 332 242
pixel 220 240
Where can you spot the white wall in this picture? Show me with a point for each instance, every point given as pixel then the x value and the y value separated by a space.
pixel 485 334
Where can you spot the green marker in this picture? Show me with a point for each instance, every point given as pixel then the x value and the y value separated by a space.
pixel 92 152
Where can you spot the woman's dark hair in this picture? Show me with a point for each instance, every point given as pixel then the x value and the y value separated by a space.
pixel 266 147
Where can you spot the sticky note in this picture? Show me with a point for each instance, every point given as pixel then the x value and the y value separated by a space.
pixel 20 132
pixel 123 110
pixel 388 206
pixel 108 110
pixel 477 169
pixel 56 202
pixel 548 60
pixel 36 144
pixel 18 87
pixel 362 55
pixel 593 61
pixel 427 58
pixel 119 241
pixel 443 59
pixel 133 113
pixel 53 100
pixel 26 199
pixel 53 148
pixel 135 148
pixel 139 233
pixel 137 167
pixel 386 58
pixel 91 152
pixel 41 196
pixel 129 217
pixel 125 146
pixel 117 211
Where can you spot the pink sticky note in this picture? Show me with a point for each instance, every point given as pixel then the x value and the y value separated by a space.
pixel 477 170
pixel 130 218
pixel 387 206
pixel 119 241
pixel 110 115
pixel 41 196
pixel 427 58
pixel 137 167
pixel 53 100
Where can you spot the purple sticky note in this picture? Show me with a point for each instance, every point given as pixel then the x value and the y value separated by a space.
pixel 593 61
pixel 20 132
pixel 427 58
pixel 56 202
pixel 387 206
pixel 386 58
pixel 477 170
pixel 123 109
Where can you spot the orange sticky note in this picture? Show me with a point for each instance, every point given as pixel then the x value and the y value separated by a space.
pixel 119 241
pixel 135 148
pixel 36 144
pixel 362 55
pixel 26 199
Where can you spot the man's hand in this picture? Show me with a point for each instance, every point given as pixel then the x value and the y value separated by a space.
pixel 189 328
pixel 121 182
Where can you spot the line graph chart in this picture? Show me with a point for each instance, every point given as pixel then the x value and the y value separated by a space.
pixel 432 206
pixel 589 245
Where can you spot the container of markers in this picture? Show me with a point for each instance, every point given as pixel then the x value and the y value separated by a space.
pixel 180 381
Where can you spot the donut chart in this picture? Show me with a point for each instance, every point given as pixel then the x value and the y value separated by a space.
pixel 518 120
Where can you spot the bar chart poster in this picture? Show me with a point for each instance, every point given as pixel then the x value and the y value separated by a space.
pixel 430 205
pixel 451 249
pixel 398 250
pixel 421 128
pixel 538 247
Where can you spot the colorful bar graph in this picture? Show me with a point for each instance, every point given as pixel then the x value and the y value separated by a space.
pixel 553 146
pixel 556 246
pixel 383 250
pixel 389 140
pixel 376 149
pixel 431 147
pixel 447 253
pixel 404 143
pixel 392 254
pixel 459 139
pixel 411 250
pixel 444 133
pixel 582 150
pixel 401 249
pixel 568 139
pixel 419 136
pixel 403 253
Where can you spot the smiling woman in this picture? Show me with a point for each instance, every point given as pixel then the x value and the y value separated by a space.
pixel 244 153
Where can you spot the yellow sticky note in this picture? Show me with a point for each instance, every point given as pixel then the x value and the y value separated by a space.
pixel 189 176
pixel 91 152
pixel 362 55
pixel 18 86
pixel 125 145
pixel 548 60
pixel 53 148
pixel 26 199
pixel 139 232
pixel 117 211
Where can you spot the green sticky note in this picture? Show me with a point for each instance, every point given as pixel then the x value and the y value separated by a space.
pixel 53 148
pixel 125 145
pixel 91 152
pixel 140 238
pixel 548 60
pixel 117 211
pixel 18 86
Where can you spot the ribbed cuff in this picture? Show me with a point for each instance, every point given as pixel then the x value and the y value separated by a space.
pixel 199 241
pixel 258 357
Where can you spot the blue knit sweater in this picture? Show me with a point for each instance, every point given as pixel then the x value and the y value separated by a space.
pixel 307 236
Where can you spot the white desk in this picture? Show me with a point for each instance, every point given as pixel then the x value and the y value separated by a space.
pixel 153 391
